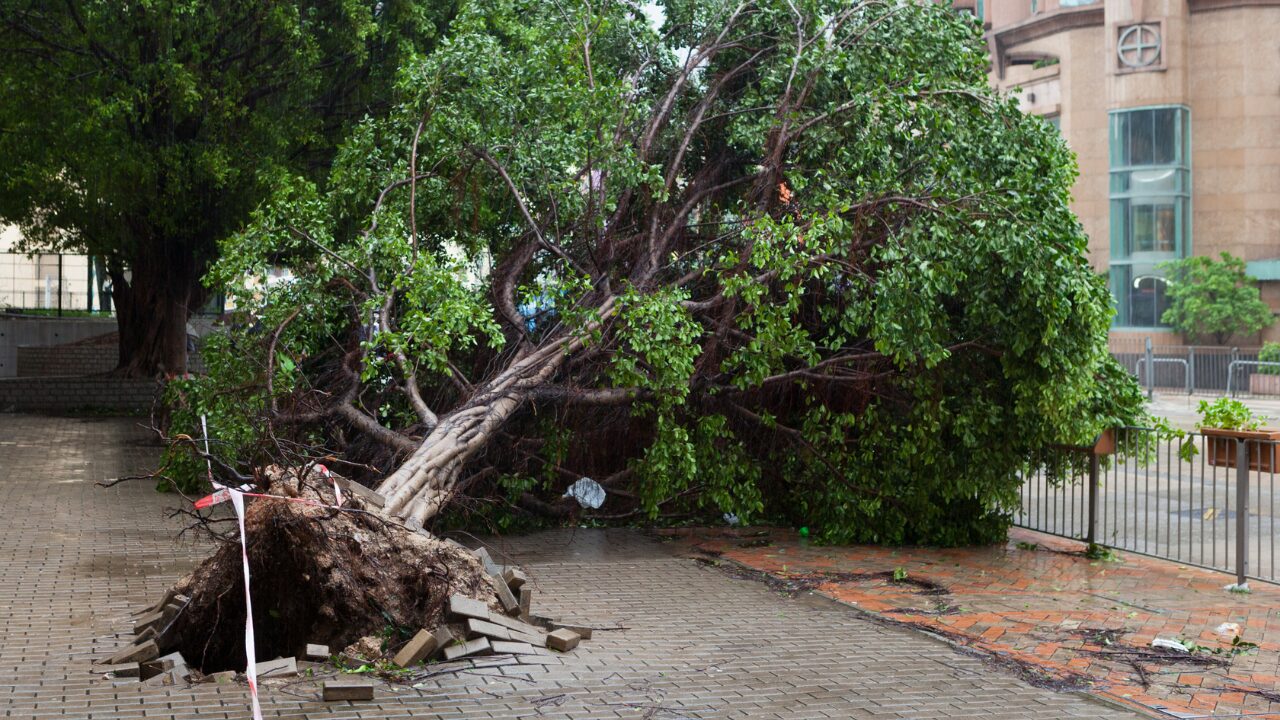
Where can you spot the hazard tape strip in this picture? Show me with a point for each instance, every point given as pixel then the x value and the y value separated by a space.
pixel 222 493
pixel 237 501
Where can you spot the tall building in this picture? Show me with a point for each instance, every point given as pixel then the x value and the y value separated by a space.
pixel 1173 110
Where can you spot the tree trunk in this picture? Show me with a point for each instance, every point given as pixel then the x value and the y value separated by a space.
pixel 152 309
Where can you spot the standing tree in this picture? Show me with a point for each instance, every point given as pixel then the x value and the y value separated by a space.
pixel 1214 299
pixel 147 132
pixel 773 258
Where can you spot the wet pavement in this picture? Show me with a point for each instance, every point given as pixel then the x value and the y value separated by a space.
pixel 679 638
pixel 1038 604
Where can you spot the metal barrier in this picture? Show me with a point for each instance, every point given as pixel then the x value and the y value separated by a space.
pixel 1150 384
pixel 1205 499
pixel 1191 369
pixel 1231 369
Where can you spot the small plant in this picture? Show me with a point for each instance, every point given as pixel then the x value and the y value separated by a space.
pixel 1270 352
pixel 1239 646
pixel 1102 553
pixel 899 574
pixel 1229 414
pixel 1022 545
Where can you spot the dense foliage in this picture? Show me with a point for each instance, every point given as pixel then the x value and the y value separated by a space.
pixel 1214 299
pixel 791 261
pixel 145 132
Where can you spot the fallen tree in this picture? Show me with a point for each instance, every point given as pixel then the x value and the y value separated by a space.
pixel 779 260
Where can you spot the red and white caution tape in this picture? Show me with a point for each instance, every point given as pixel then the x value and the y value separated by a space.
pixel 237 501
pixel 250 653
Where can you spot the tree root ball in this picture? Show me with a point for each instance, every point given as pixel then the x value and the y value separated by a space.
pixel 319 575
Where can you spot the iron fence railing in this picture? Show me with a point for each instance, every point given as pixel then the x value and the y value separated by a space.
pixel 1206 499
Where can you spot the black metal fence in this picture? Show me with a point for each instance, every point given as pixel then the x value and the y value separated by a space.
pixel 1206 499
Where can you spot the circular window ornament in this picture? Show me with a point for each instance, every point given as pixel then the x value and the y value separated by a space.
pixel 1139 46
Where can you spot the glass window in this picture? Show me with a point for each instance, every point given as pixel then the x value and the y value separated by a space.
pixel 1075 3
pixel 1150 208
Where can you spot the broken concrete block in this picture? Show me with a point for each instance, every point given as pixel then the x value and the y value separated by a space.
pixel 487 629
pixel 526 602
pixel 317 653
pixel 277 668
pixel 223 678
pixel 506 647
pixel 464 606
pixel 517 626
pixel 149 620
pixel 479 646
pixel 151 668
pixel 420 647
pixel 169 595
pixel 562 640
pixel 490 566
pixel 514 578
pixel 177 676
pixel 583 631
pixel 148 633
pixel 136 653
pixel 128 670
pixel 346 689
pixel 510 604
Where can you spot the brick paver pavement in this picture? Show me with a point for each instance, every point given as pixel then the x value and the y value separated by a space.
pixel 693 642
pixel 1038 601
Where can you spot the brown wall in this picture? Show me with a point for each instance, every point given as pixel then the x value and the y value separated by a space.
pixel 1219 58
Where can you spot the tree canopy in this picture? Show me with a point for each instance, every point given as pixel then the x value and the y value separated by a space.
pixel 146 132
pixel 786 260
pixel 1214 299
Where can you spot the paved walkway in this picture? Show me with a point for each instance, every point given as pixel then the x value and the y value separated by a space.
pixel 1040 604
pixel 694 642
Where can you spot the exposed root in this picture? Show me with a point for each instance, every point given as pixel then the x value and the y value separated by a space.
pixel 319 575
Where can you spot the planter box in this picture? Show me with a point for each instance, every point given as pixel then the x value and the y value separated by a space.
pixel 1221 447
pixel 1260 384
pixel 1105 444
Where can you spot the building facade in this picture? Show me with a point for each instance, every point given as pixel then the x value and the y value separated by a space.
pixel 1173 110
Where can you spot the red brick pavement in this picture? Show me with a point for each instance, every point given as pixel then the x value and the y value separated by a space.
pixel 1066 618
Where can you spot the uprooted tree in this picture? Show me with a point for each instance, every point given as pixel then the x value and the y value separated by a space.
pixel 790 260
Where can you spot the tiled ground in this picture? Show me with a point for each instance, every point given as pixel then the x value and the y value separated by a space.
pixel 1039 601
pixel 689 641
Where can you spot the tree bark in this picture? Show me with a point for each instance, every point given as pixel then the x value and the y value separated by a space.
pixel 152 309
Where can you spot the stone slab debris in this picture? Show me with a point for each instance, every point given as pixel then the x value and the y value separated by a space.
pixel 158 666
pixel 420 647
pixel 346 689
pixel 583 631
pixel 277 668
pixel 490 566
pixel 151 619
pixel 223 678
pixel 487 629
pixel 526 602
pixel 136 653
pixel 128 670
pixel 318 653
pixel 514 578
pixel 466 607
pixel 510 604
pixel 562 640
pixel 505 647
pixel 479 646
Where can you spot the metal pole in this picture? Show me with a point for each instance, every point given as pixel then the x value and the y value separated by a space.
pixel 1091 533
pixel 61 279
pixel 1235 355
pixel 1242 510
pixel 89 283
pixel 1151 372
pixel 1191 371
